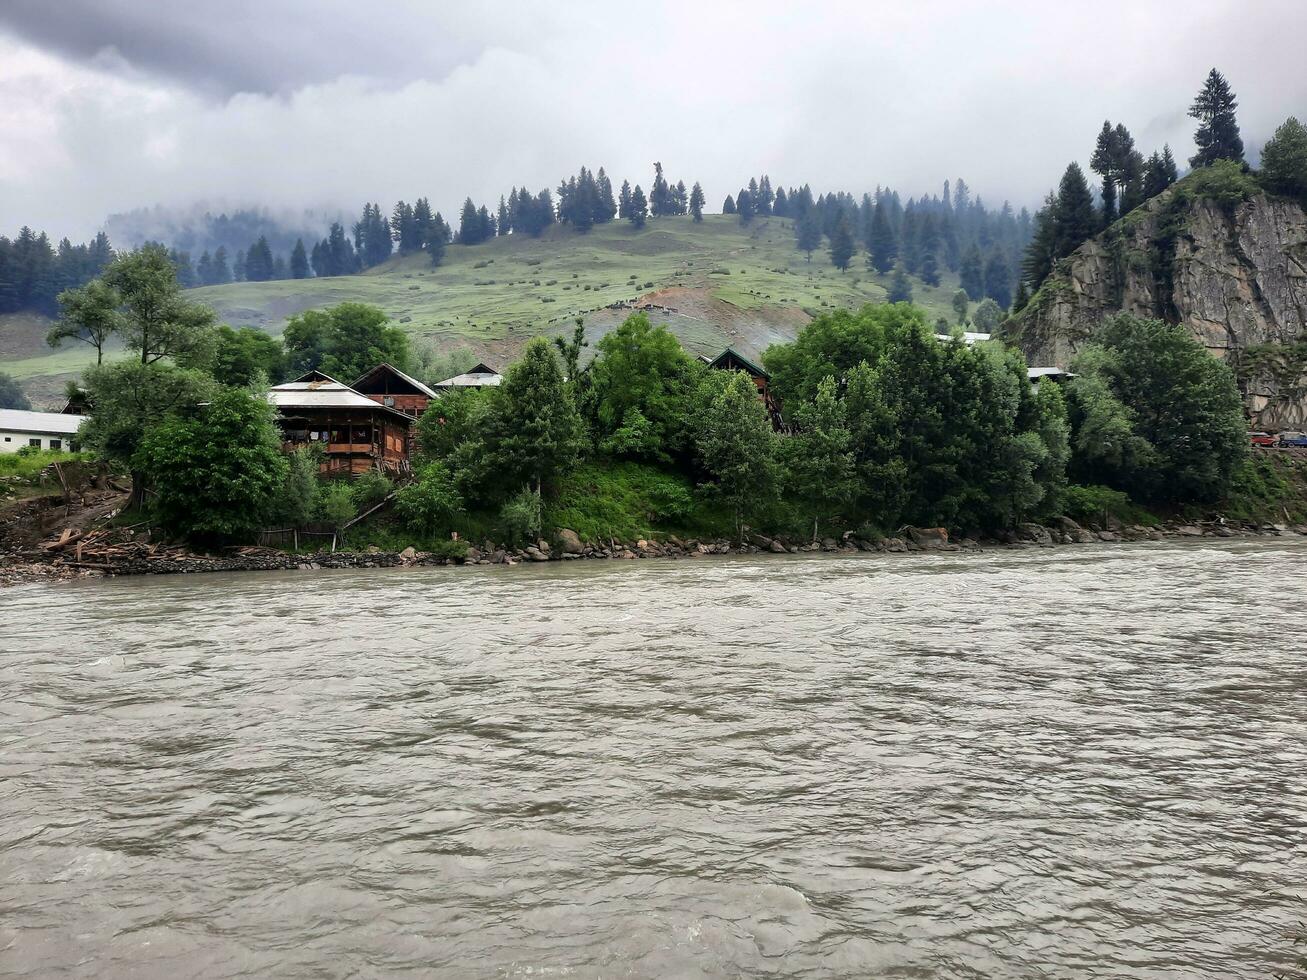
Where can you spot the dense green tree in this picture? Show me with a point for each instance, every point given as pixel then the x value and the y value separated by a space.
pixel 998 278
pixel 745 206
pixel 987 315
pixel 90 314
pixel 972 273
pixel 247 356
pixel 638 209
pixel 641 370
pixel 807 232
pixel 960 306
pixel 1021 298
pixel 660 195
pixel 728 205
pixel 882 243
pixel 1217 136
pixel 12 395
pixel 259 261
pixel 141 294
pixel 1074 219
pixel 624 201
pixel 298 499
pixel 841 244
pixel 216 469
pixel 736 445
pixel 819 464
pixel 1284 159
pixel 696 203
pixel 343 341
pixel 900 289
pixel 1154 414
pixel 607 204
pixel 535 431
pixel 431 502
pixel 299 261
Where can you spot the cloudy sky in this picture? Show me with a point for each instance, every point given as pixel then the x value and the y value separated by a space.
pixel 107 105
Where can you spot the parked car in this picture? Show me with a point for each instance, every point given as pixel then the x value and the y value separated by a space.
pixel 1297 439
pixel 1261 438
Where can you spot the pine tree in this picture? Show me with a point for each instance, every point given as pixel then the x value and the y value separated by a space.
pixel 781 206
pixel 1040 256
pixel 998 279
pixel 807 232
pixel 299 261
pixel 765 196
pixel 1022 298
pixel 882 243
pixel 624 202
pixel 744 206
pixel 221 272
pixel 607 206
pixel 1074 219
pixel 728 205
pixel 696 202
pixel 469 224
pixel 680 198
pixel 638 207
pixel 1217 137
pixel 660 195
pixel 972 274
pixel 900 289
pixel 503 224
pixel 1284 159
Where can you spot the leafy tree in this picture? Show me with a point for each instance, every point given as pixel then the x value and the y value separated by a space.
pixel 90 314
pixel 807 232
pixel 335 505
pixel 534 430
pixel 299 261
pixel 1154 414
pixel 819 463
pixel 841 244
pixel 987 315
pixel 737 447
pixel 642 371
pixel 430 503
pixel 960 306
pixel 216 469
pixel 343 341
pixel 457 421
pixel 696 203
pixel 247 356
pixel 129 399
pixel 12 395
pixel 1217 136
pixel 900 289
pixel 297 501
pixel 154 319
pixel 1284 159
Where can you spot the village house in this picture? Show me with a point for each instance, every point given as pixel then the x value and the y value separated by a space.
pixel 732 360
pixel 40 430
pixel 390 386
pixel 480 376
pixel 356 433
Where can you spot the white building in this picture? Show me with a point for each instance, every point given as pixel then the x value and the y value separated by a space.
pixel 44 430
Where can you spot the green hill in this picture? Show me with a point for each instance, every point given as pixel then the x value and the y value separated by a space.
pixel 713 284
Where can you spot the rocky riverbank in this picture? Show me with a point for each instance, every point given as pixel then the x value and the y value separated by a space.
pixel 568 546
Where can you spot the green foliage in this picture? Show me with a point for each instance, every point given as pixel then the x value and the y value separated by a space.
pixel 1097 504
pixel 1284 160
pixel 298 500
pixel 841 244
pixel 247 356
pixel 12 395
pixel 522 518
pixel 819 464
pixel 344 341
pixel 987 316
pixel 370 489
pixel 335 505
pixel 1217 136
pixel 735 441
pixel 130 399
pixel 216 469
pixel 1154 414
pixel 640 392
pixel 1268 488
pixel 623 500
pixel 900 289
pixel 89 314
pixel 431 502
pixel 152 315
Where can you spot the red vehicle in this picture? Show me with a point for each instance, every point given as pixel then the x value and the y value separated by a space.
pixel 1262 438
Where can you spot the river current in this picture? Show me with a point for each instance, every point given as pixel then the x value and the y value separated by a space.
pixel 1048 763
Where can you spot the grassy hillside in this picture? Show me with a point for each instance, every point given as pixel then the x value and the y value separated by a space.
pixel 719 283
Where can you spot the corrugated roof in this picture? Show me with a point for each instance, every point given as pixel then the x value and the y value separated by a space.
pixel 55 423
pixel 324 393
pixel 1047 372
pixel 473 379
pixel 399 374
pixel 968 338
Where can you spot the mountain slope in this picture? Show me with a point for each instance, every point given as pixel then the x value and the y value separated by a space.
pixel 1214 253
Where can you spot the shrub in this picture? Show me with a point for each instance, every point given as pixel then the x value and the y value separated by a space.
pixel 431 502
pixel 336 505
pixel 370 489
pixel 522 518
pixel 1095 504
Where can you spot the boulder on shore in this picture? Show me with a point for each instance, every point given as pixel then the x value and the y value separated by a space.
pixel 570 541
pixel 926 538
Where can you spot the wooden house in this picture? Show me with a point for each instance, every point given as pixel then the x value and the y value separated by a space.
pixel 480 376
pixel 356 433
pixel 390 386
pixel 732 360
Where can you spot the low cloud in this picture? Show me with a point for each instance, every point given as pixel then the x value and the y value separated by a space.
pixel 113 105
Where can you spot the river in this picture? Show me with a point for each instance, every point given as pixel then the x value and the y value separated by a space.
pixel 1048 763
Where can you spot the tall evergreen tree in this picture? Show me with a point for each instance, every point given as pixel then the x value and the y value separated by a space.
pixel 900 288
pixel 624 202
pixel 1218 136
pixel 1284 159
pixel 998 278
pixel 1074 219
pixel 972 274
pixel 299 261
pixel 607 206
pixel 807 232
pixel 728 205
pixel 696 202
pixel 882 242
pixel 660 195
pixel 638 207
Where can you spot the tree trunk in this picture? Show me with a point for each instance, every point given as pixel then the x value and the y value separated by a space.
pixel 137 500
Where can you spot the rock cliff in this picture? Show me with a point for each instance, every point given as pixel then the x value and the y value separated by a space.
pixel 1231 266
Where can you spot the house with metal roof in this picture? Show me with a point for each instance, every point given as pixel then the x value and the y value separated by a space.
pixel 356 433
pixel 41 430
pixel 732 360
pixel 480 376
pixel 390 386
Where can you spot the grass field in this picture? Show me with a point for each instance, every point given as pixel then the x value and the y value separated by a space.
pixel 720 283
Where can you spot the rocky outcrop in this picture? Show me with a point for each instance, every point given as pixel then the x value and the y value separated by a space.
pixel 1233 271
